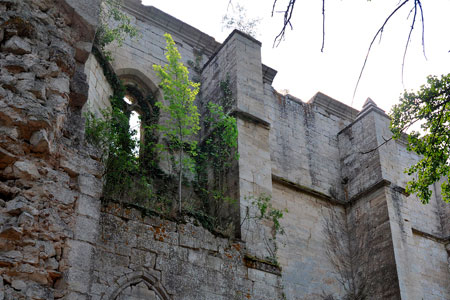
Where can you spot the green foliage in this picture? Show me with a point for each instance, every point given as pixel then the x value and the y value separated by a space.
pixel 267 212
pixel 115 26
pixel 137 179
pixel 221 144
pixel 430 106
pixel 216 156
pixel 182 124
pixel 196 66
pixel 227 100
pixel 122 169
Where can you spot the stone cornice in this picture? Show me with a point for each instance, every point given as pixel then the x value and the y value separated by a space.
pixel 333 106
pixel 192 36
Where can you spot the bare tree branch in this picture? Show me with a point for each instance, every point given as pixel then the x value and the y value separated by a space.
pixel 409 36
pixel 379 32
pixel 273 6
pixel 287 21
pixel 323 25
pixel 423 29
pixel 350 251
pixel 380 145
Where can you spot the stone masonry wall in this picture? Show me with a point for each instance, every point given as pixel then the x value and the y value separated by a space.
pixel 382 168
pixel 48 178
pixel 303 141
pixel 58 242
pixel 99 89
pixel 317 157
pixel 307 270
pixel 145 257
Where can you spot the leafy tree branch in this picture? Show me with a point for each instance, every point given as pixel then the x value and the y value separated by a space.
pixel 430 106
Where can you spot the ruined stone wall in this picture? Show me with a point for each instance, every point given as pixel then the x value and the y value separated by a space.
pixel 142 256
pixel 312 158
pixel 57 241
pixel 136 57
pixel 47 177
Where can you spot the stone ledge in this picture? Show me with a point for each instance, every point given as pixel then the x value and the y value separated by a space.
pixel 250 117
pixel 268 74
pixel 306 190
pixel 189 34
pixel 261 264
pixel 431 236
pixel 369 190
pixel 333 106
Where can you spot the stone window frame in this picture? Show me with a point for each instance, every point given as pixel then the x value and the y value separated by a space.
pixel 135 278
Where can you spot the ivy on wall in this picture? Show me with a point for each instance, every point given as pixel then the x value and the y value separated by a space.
pixel 140 181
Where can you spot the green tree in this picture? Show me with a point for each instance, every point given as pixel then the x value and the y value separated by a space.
pixel 430 106
pixel 182 124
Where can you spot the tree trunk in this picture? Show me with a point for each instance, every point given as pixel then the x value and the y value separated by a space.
pixel 180 176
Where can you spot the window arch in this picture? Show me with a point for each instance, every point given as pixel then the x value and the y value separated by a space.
pixel 139 102
pixel 138 285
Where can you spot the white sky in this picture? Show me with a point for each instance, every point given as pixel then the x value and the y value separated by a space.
pixel 350 25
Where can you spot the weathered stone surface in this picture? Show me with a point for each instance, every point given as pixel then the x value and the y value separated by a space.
pixel 11 232
pixel 19 284
pixel 6 158
pixel 17 45
pixel 39 141
pixel 89 206
pixel 78 89
pixel 37 210
pixel 18 26
pixel 62 59
pixel 83 49
pixel 17 205
pixel 26 170
pixel 60 85
pixel 39 90
pixel 90 185
pixel 57 240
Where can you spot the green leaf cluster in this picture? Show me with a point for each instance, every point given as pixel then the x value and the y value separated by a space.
pixel 429 107
pixel 268 212
pixel 115 26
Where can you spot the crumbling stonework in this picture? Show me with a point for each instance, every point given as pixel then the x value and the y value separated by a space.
pixel 46 175
pixel 317 159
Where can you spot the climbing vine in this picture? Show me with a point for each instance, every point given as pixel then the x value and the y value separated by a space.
pixel 115 26
pixel 170 128
pixel 217 155
pixel 266 211
pixel 140 178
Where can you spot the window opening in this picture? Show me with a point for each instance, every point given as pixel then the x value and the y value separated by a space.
pixel 135 126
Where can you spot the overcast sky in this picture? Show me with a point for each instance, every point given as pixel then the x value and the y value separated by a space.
pixel 350 26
